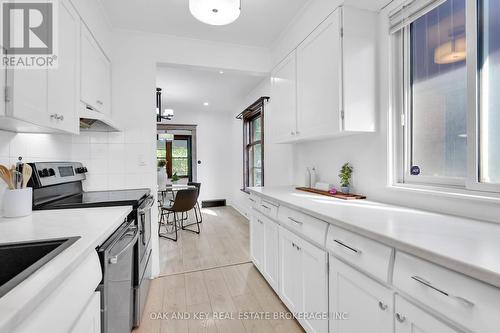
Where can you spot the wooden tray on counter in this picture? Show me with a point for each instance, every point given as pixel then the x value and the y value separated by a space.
pixel 339 195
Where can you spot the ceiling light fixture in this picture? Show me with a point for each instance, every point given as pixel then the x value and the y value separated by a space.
pixel 221 72
pixel 215 12
pixel 206 103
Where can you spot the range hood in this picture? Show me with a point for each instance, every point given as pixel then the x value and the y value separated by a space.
pixel 95 121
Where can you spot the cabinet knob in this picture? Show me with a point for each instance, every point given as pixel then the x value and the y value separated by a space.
pixel 382 306
pixel 401 318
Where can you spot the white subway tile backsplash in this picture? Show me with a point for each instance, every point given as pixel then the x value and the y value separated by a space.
pixel 116 137
pixel 80 152
pixel 83 137
pixel 99 137
pixel 98 151
pixel 116 181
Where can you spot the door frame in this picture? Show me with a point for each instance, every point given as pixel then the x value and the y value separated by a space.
pixel 192 129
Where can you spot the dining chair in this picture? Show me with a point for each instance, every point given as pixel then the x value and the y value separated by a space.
pixel 197 209
pixel 184 201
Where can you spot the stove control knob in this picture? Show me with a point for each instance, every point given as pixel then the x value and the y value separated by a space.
pixel 45 173
pixel 81 170
pixel 51 172
pixel 40 173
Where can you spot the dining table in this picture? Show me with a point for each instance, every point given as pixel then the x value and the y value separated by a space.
pixel 173 189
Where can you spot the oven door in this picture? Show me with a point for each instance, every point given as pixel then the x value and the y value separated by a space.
pixel 144 218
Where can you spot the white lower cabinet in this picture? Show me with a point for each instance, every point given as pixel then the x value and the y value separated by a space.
pixel 358 303
pixel 90 318
pixel 412 319
pixel 271 246
pixel 304 280
pixel 257 241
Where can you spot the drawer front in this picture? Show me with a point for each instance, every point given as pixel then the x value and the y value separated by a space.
pixel 364 253
pixel 253 200
pixel 303 224
pixel 468 302
pixel 268 208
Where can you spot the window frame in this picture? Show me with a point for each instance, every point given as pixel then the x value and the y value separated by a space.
pixel 253 112
pixel 400 121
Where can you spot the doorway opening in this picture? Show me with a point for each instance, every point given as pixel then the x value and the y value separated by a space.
pixel 176 153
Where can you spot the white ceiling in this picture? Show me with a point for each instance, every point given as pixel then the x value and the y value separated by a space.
pixel 186 88
pixel 260 22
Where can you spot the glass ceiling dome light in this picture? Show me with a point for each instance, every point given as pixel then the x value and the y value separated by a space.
pixel 215 12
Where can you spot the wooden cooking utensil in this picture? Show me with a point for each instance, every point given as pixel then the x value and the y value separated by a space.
pixel 27 171
pixel 6 176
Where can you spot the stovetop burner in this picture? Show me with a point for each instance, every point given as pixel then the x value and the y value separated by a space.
pixel 99 199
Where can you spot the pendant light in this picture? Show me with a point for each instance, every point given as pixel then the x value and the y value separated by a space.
pixel 215 12
pixel 455 49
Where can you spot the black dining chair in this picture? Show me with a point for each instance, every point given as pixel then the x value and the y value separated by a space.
pixel 184 201
pixel 197 210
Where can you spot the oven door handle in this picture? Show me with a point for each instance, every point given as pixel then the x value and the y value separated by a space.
pixel 150 200
pixel 114 259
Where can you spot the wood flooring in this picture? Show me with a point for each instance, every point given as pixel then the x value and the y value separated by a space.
pixel 209 285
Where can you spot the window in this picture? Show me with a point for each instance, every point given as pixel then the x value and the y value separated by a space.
pixel 450 115
pixel 253 144
pixel 180 156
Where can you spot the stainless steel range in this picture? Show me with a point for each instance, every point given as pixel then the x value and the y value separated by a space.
pixel 58 185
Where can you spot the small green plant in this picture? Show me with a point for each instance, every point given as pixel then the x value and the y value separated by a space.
pixel 345 175
pixel 175 178
pixel 161 163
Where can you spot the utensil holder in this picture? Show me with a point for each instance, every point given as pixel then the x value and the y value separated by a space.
pixel 17 203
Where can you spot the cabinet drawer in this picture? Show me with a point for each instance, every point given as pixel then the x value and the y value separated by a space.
pixel 366 254
pixel 305 225
pixel 468 302
pixel 253 201
pixel 268 208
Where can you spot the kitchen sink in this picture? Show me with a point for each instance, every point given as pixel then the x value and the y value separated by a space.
pixel 19 260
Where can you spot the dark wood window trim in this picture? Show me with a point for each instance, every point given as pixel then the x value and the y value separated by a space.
pixel 254 111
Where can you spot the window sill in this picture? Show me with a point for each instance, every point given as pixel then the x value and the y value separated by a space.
pixel 448 192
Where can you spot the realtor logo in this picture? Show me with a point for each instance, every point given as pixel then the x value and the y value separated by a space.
pixel 28 33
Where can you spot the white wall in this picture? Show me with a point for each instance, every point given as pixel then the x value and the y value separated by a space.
pixel 213 149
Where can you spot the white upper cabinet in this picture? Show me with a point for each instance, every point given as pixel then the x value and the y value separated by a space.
pixel 319 80
pixel 64 82
pixel 326 87
pixel 283 104
pixel 96 74
pixel 45 100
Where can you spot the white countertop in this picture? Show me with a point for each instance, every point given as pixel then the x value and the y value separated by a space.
pixel 93 225
pixel 464 245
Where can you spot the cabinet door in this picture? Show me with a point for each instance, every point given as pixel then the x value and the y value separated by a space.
pixel 27 98
pixel 283 105
pixel 271 249
pixel 367 304
pixel 412 319
pixel 90 319
pixel 3 84
pixel 319 80
pixel 290 271
pixel 314 285
pixel 95 74
pixel 257 242
pixel 63 82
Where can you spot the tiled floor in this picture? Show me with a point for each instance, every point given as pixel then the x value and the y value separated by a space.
pixel 208 284
pixel 224 239
pixel 224 299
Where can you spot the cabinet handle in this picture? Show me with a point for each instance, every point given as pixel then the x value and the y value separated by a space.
pixel 54 116
pixel 295 221
pixel 260 222
pixel 264 206
pixel 61 117
pixel 401 318
pixel 347 246
pixel 296 246
pixel 292 133
pixel 252 200
pixel 382 306
pixel 441 291
pixel 100 102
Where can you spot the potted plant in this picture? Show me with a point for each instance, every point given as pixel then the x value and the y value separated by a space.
pixel 161 164
pixel 345 177
pixel 175 178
